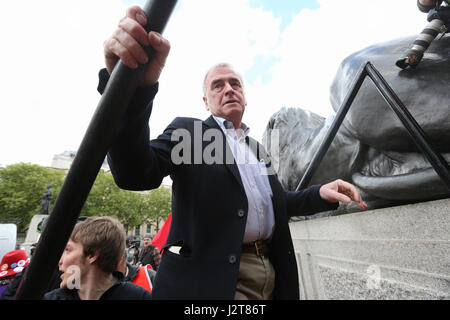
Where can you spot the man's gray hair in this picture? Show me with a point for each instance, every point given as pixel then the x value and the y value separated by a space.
pixel 147 235
pixel 216 66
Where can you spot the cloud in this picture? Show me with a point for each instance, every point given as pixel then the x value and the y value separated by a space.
pixel 203 33
pixel 312 46
pixel 52 51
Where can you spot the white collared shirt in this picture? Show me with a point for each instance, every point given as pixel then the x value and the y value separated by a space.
pixel 260 217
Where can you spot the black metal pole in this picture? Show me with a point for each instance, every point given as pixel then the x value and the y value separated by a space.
pixel 420 138
pixel 342 112
pixel 88 160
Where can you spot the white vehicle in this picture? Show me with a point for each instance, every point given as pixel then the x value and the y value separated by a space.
pixel 8 238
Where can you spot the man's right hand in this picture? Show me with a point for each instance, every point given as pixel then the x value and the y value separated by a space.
pixel 127 42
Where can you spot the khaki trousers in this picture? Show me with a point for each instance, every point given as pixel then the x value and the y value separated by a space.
pixel 256 280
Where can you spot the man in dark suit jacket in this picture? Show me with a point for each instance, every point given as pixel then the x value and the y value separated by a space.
pixel 229 236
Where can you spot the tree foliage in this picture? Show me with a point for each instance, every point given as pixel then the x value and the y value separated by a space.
pixel 22 187
pixel 131 208
pixel 159 202
pixel 105 198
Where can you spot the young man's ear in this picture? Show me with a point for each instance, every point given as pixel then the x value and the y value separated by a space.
pixel 92 258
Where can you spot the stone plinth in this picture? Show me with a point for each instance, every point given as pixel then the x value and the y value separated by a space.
pixel 400 252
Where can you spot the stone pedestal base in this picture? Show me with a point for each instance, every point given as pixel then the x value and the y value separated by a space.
pixel 392 253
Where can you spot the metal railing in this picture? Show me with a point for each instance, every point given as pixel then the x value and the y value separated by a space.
pixel 418 135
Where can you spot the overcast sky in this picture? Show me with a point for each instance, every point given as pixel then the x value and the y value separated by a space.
pixel 287 50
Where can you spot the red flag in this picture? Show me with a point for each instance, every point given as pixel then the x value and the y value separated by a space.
pixel 160 238
pixel 142 278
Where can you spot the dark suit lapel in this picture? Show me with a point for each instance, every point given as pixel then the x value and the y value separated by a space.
pixel 227 154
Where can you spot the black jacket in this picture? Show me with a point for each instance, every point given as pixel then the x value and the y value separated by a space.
pixel 151 256
pixel 209 207
pixel 121 290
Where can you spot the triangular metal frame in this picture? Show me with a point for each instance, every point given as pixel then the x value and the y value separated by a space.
pixel 418 135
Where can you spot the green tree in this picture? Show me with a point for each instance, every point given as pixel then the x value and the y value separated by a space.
pixel 159 204
pixel 131 208
pixel 21 188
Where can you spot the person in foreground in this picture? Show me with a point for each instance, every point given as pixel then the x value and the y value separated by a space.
pixel 89 264
pixel 229 237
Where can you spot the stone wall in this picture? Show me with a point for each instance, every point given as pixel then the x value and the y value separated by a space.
pixel 400 252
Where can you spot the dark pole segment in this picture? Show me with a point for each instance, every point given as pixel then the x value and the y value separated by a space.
pixel 342 112
pixel 88 160
pixel 439 164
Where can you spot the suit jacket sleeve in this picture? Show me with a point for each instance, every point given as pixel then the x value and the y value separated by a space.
pixel 307 202
pixel 135 162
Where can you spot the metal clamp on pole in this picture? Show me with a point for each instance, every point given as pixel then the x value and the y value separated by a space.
pixel 88 160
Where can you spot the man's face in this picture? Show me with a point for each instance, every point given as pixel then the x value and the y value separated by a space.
pixel 147 242
pixel 225 94
pixel 72 261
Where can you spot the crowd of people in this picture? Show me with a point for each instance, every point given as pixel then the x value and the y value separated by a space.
pixel 229 238
pixel 94 265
